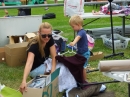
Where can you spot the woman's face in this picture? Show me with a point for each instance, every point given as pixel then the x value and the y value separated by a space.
pixel 45 34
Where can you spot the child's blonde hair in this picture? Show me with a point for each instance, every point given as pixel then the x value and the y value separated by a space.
pixel 76 20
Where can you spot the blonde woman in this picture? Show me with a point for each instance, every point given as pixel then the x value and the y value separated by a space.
pixel 38 50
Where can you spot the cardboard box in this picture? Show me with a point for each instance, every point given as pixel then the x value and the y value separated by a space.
pixel 15 39
pixel 29 36
pixel 16 54
pixel 50 90
pixel 2 54
pixel 36 32
pixel 96 56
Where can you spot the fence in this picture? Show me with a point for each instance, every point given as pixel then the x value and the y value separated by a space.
pixel 52 5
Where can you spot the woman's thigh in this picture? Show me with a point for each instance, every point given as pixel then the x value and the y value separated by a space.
pixel 38 71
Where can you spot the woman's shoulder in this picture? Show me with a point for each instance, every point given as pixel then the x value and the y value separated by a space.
pixel 33 47
pixel 51 41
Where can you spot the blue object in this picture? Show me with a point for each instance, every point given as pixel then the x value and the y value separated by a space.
pixel 63 46
pixel 70 47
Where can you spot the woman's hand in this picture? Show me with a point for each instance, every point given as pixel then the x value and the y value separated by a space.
pixel 47 73
pixel 23 87
pixel 28 66
pixel 52 70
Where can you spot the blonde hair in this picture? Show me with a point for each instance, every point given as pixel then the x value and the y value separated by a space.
pixel 38 40
pixel 76 20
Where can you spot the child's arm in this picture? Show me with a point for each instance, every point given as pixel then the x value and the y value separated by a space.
pixel 75 40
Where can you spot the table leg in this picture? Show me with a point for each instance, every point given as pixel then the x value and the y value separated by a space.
pixel 123 25
pixel 128 89
pixel 74 35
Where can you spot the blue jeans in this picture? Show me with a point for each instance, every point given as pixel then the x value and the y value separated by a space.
pixel 38 71
pixel 86 55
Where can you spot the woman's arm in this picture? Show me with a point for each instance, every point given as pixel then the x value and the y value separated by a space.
pixel 27 69
pixel 53 55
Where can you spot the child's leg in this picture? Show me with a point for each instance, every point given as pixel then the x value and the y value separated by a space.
pixel 86 55
pixel 84 74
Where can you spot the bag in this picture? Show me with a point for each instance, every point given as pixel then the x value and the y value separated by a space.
pixel 60 45
pixel 73 7
pixel 24 11
pixel 60 42
pixel 91 42
pixel 57 31
pixel 49 16
pixel 21 13
pixel 9 92
pixel 92 91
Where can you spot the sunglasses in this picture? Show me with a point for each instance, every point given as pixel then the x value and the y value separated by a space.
pixel 46 35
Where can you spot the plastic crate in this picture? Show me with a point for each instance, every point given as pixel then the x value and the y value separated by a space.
pixel 120 42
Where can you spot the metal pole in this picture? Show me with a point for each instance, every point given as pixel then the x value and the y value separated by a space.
pixel 113 54
pixel 96 83
pixel 30 6
pixel 123 25
pixel 112 27
pixel 128 89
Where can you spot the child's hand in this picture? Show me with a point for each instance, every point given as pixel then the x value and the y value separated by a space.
pixel 71 44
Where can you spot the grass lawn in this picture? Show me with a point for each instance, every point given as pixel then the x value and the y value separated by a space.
pixel 12 77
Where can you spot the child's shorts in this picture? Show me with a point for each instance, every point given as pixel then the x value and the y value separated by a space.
pixel 86 55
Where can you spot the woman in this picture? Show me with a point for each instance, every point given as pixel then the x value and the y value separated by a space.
pixel 38 51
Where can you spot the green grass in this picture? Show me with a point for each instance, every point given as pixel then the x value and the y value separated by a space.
pixel 12 77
